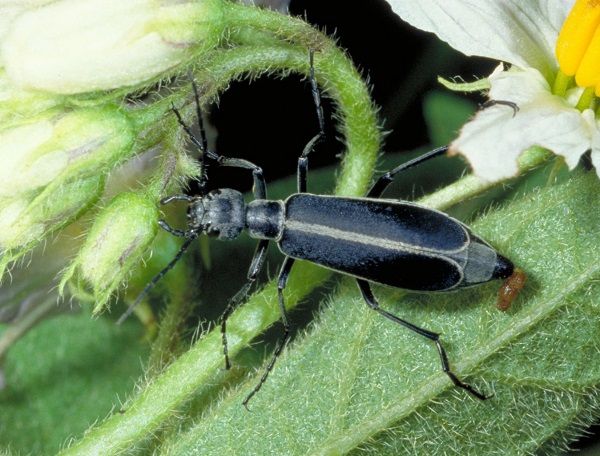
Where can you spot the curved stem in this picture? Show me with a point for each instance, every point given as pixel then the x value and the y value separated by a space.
pixel 335 74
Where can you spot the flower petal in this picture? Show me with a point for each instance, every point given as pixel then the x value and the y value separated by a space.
pixel 522 33
pixel 596 148
pixel 493 141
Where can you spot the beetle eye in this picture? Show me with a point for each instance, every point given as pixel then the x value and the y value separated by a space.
pixel 213 232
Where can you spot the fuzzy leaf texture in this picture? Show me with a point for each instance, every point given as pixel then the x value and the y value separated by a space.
pixel 63 376
pixel 356 383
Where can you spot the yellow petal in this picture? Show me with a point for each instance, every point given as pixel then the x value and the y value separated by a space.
pixel 576 34
pixel 588 73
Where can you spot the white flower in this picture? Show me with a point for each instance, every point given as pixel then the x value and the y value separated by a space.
pixel 553 113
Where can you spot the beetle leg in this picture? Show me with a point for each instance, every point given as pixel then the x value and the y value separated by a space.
pixel 284 273
pixel 371 301
pixel 178 197
pixel 259 189
pixel 204 142
pixel 158 276
pixel 255 267
pixel 174 231
pixel 386 179
pixel 165 226
pixel 490 103
pixel 303 160
pixel 315 92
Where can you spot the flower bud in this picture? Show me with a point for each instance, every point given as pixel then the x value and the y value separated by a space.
pixel 115 245
pixel 25 221
pixel 17 103
pixel 54 168
pixel 54 148
pixel 75 46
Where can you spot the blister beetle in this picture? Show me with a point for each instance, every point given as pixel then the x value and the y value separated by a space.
pixel 389 242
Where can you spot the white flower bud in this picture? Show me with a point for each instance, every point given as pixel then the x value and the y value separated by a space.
pixel 54 167
pixel 25 221
pixel 115 245
pixel 54 147
pixel 74 46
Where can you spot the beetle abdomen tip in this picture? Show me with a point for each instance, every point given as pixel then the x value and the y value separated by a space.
pixel 504 268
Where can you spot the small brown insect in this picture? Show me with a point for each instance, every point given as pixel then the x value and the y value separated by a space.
pixel 510 289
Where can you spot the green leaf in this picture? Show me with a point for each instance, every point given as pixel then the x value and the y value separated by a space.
pixel 445 114
pixel 63 376
pixel 356 382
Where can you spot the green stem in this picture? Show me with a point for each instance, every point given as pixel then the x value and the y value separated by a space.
pixel 254 22
pixel 561 83
pixel 586 99
pixel 167 343
pixel 334 72
pixel 470 185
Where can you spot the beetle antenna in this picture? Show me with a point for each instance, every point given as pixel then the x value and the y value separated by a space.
pixel 158 276
pixel 203 142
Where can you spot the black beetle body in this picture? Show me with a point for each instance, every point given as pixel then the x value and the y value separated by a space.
pixel 393 243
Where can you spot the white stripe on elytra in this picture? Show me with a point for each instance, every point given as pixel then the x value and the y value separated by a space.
pixel 334 233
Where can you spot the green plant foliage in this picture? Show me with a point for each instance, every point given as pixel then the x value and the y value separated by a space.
pixel 352 382
pixel 63 376
pixel 356 383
